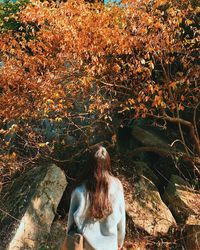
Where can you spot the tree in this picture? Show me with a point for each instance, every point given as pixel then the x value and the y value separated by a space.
pixel 77 65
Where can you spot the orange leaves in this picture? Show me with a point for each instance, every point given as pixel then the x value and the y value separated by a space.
pixel 158 25
pixel 157 101
pixel 116 68
pixel 181 107
pixel 97 56
pixel 131 101
pixel 150 88
pixel 172 85
pixel 80 63
pixel 182 98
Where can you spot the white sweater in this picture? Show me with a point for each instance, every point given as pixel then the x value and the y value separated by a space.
pixel 105 234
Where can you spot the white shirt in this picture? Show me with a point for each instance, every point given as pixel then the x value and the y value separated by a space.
pixel 105 234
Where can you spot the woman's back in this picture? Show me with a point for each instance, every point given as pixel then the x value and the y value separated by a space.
pixel 102 234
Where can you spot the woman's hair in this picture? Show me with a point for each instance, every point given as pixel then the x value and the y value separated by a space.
pixel 97 183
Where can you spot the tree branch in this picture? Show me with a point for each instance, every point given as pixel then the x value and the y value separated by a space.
pixel 168 153
pixel 115 85
pixel 185 123
pixel 181 132
pixel 194 120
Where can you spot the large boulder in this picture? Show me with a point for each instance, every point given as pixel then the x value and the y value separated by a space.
pixel 146 208
pixel 154 147
pixel 141 168
pixel 148 138
pixel 56 236
pixel 34 205
pixel 184 203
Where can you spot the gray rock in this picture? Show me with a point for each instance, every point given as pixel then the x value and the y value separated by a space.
pixel 142 169
pixel 147 138
pixel 36 221
pixel 146 208
pixel 56 236
pixel 183 201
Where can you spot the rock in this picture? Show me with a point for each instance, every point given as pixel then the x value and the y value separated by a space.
pixel 35 223
pixel 154 148
pixel 142 169
pixel 15 199
pixel 183 201
pixel 147 138
pixel 56 236
pixel 145 207
pixel 192 239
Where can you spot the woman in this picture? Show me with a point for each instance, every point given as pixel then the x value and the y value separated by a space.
pixel 97 206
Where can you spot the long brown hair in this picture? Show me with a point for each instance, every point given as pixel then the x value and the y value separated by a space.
pixel 97 183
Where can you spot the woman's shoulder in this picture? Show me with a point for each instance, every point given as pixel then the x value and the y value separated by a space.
pixel 79 189
pixel 116 183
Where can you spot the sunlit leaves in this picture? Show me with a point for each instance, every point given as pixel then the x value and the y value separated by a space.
pixel 119 58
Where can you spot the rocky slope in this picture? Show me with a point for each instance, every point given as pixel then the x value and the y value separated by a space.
pixel 160 215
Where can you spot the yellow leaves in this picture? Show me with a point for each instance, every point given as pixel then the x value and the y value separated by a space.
pixel 139 99
pixel 188 22
pixel 123 110
pixel 43 144
pixel 56 95
pixel 149 21
pixel 131 101
pixel 13 156
pixel 171 11
pixel 49 101
pixel 58 119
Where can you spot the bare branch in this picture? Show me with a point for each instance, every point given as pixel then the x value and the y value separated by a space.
pixel 185 123
pixel 194 120
pixel 168 153
pixel 116 86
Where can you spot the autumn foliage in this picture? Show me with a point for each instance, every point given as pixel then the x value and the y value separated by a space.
pixel 79 64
